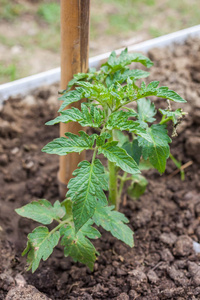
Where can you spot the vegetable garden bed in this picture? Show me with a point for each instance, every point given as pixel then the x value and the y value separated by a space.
pixel 163 264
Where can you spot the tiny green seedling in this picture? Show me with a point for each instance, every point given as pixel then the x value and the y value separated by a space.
pixel 108 92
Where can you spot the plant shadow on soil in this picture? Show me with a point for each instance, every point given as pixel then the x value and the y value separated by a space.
pixel 162 265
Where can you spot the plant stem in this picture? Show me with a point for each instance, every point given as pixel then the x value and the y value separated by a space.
pixel 112 179
pixel 94 155
pixel 178 165
pixel 164 120
pixel 123 179
pixel 61 223
pixel 112 184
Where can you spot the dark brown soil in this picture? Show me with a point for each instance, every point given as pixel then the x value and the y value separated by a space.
pixel 163 264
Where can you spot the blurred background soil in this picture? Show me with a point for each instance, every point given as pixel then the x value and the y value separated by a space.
pixel 30 29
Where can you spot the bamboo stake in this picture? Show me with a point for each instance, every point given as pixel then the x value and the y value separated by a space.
pixel 74 59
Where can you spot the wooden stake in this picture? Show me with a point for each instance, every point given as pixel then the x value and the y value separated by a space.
pixel 74 59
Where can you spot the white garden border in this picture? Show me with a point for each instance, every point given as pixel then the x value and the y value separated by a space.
pixel 26 85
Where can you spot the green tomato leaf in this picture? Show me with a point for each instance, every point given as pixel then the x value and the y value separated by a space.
pixel 165 92
pixel 134 74
pixel 92 116
pixel 119 156
pixel 119 120
pixel 122 76
pixel 85 188
pixel 115 63
pixel 152 85
pixel 157 150
pixel 72 143
pixel 172 115
pixel 67 204
pixel 120 137
pixel 146 110
pixel 78 246
pixel 85 84
pixel 125 59
pixel 71 97
pixel 82 76
pixel 145 91
pixel 77 77
pixel 101 138
pixel 115 222
pixel 133 149
pixel 70 115
pixel 42 211
pixel 40 246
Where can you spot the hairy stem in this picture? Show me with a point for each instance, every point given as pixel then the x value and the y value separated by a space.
pixel 164 120
pixel 178 165
pixel 123 179
pixel 61 223
pixel 112 179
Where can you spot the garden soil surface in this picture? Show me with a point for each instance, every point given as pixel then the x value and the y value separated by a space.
pixel 166 219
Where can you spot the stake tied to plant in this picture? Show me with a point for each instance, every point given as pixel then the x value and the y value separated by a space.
pixel 108 92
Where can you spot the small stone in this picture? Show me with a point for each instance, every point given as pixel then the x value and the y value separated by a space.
pixel 33 147
pixel 20 281
pixel 196 247
pixel 28 165
pixel 183 246
pixel 15 150
pixel 152 277
pixel 168 238
pixel 26 147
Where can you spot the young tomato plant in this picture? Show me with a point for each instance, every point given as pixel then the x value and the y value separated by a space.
pixel 108 91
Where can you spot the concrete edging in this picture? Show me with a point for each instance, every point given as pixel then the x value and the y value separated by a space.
pixel 25 85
